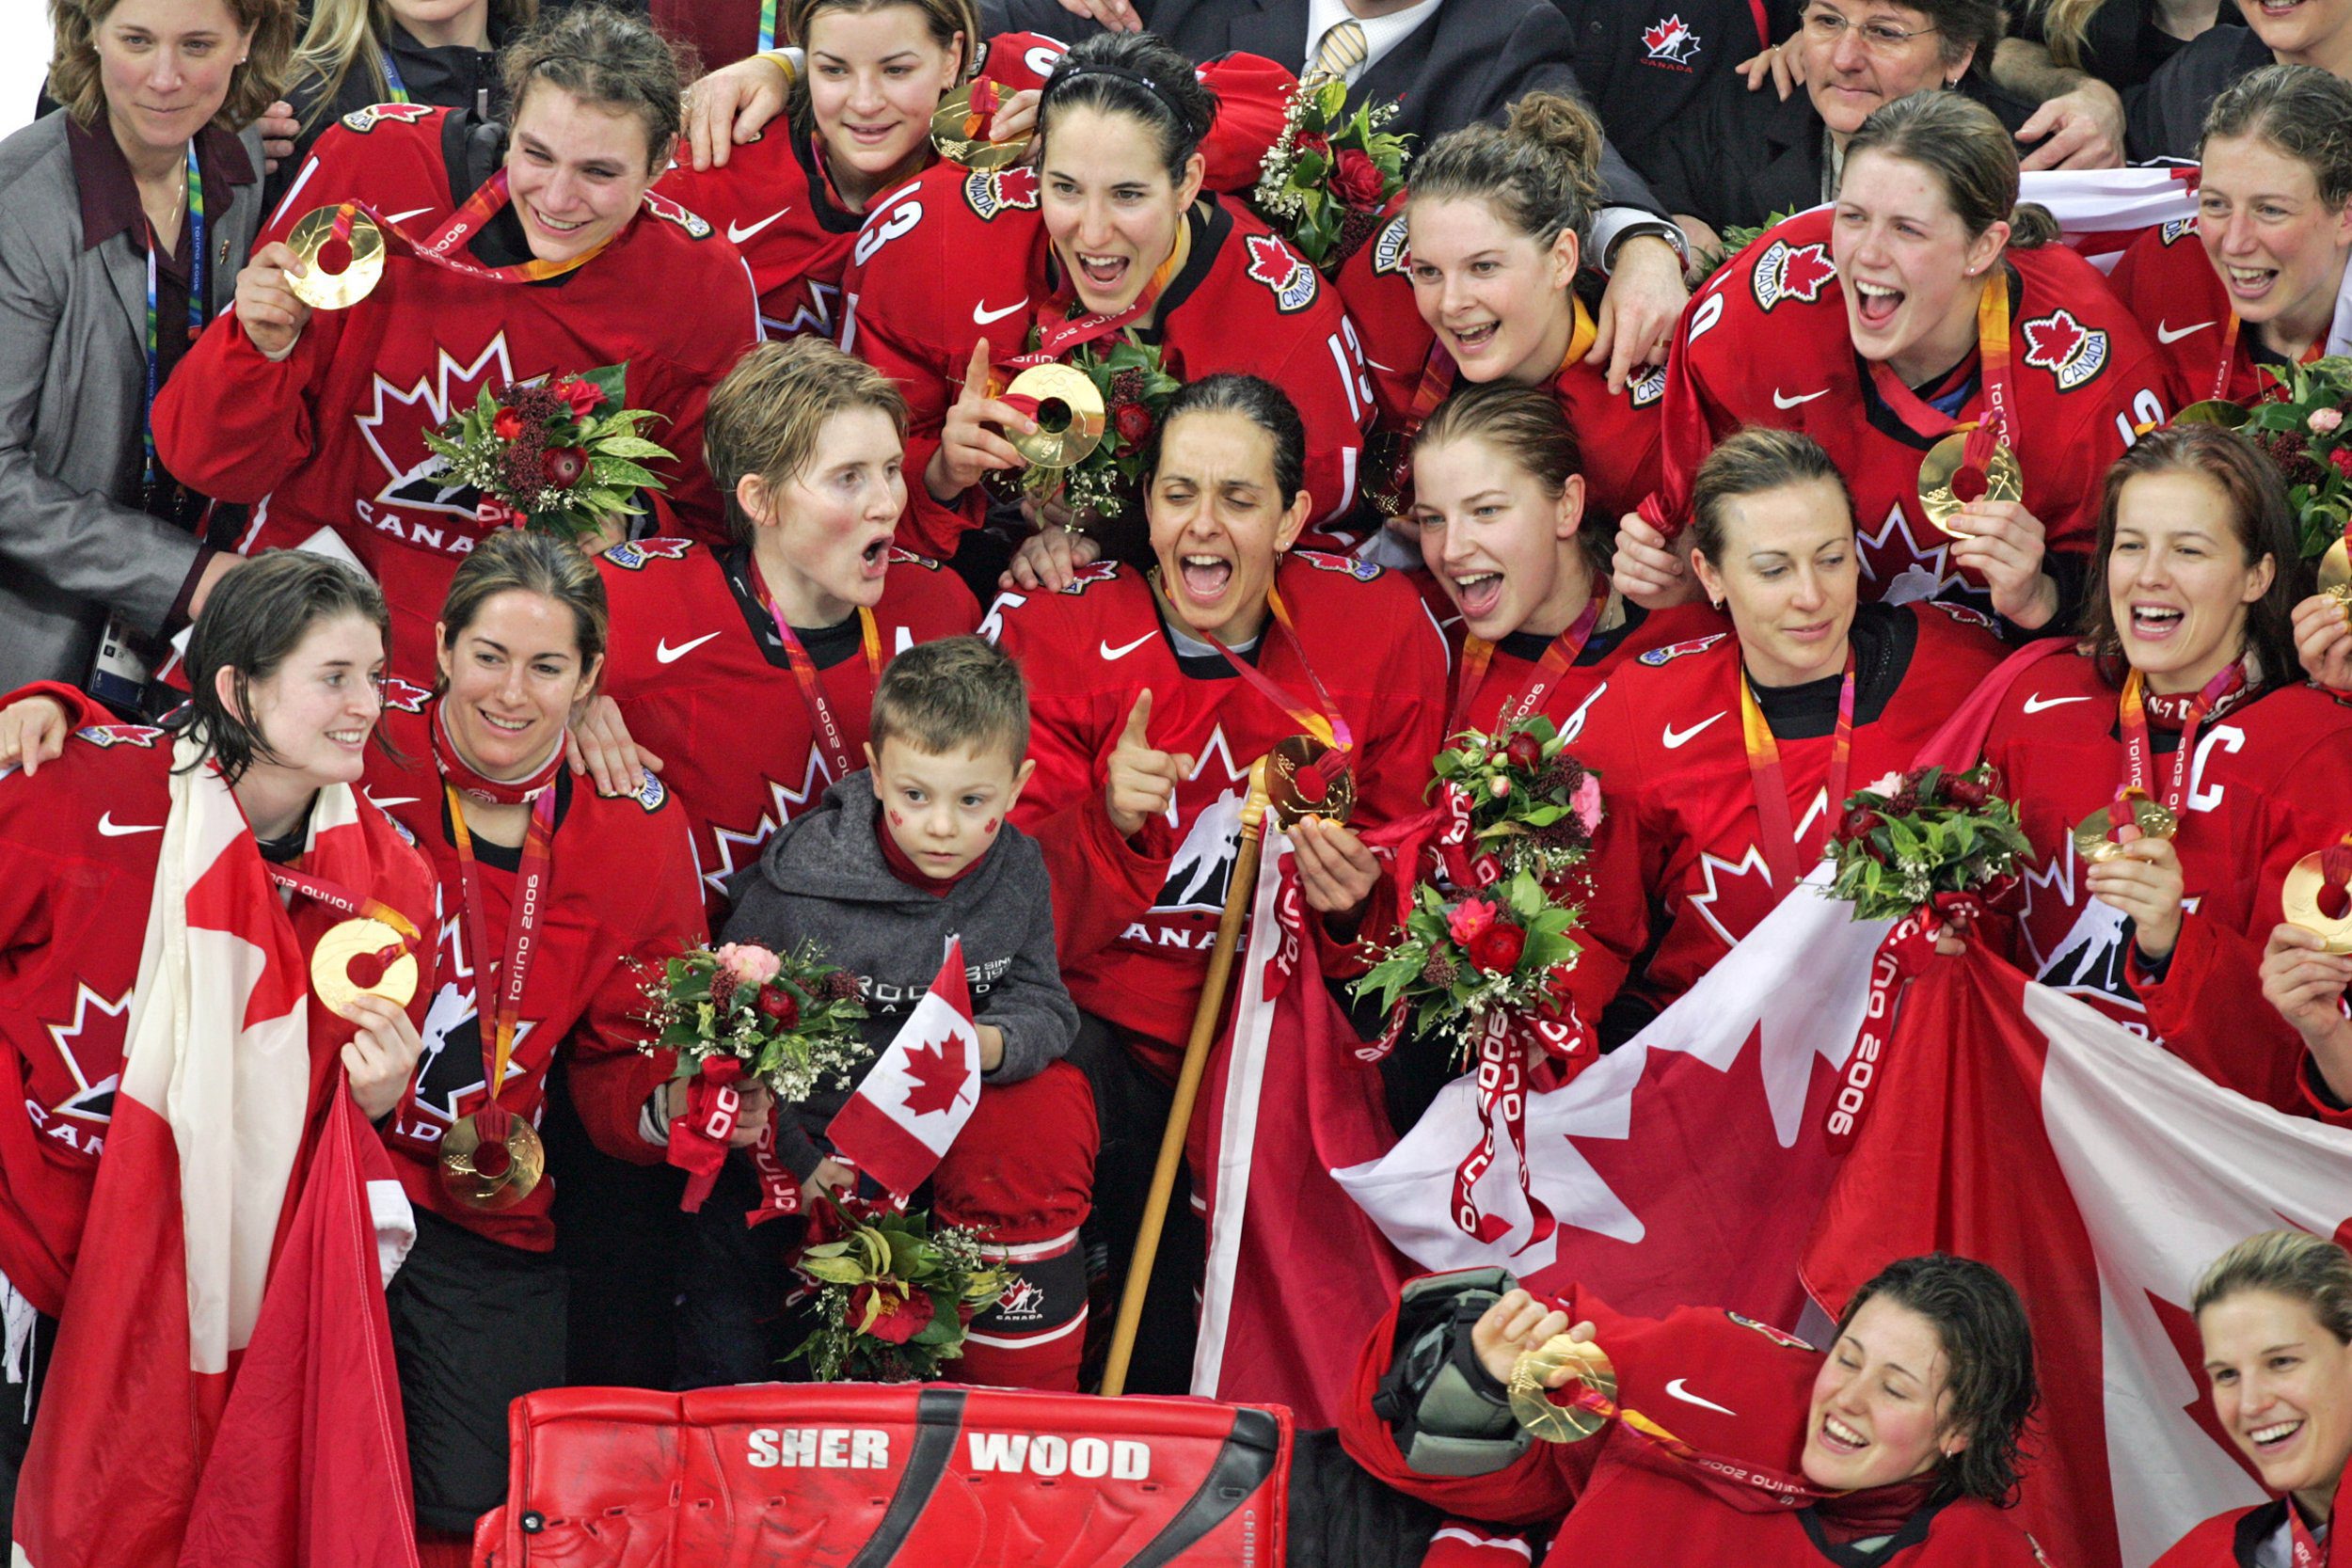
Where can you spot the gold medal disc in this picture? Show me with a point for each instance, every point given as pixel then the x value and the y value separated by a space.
pixel 1068 415
pixel 958 147
pixel 2300 900
pixel 2220 411
pixel 1530 1402
pixel 462 1161
pixel 330 965
pixel 2002 479
pixel 2153 820
pixel 321 289
pixel 1306 778
pixel 2335 573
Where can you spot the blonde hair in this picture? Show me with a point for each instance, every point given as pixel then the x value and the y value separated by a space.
pixel 344 34
pixel 952 693
pixel 2291 1264
pixel 1541 172
pixel 76 82
pixel 765 414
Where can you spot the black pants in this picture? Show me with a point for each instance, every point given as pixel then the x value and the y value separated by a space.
pixel 619 1235
pixel 18 1402
pixel 732 1326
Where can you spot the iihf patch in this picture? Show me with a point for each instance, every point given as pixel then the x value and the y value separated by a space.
pixel 652 795
pixel 1646 388
pixel 662 207
pixel 1390 256
pixel 1778 1336
pixel 2072 353
pixel 1964 613
pixel 367 120
pixel 2173 230
pixel 104 735
pixel 406 696
pixel 1005 190
pixel 1789 272
pixel 635 553
pixel 1346 565
pixel 1283 271
pixel 1657 657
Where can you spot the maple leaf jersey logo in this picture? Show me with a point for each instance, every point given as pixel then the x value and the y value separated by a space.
pixel 935 1082
pixel 99 1028
pixel 367 120
pixel 633 555
pixel 406 696
pixel 1648 387
pixel 1004 190
pixel 1656 657
pixel 2072 353
pixel 1389 257
pixel 108 736
pixel 1346 566
pixel 1283 271
pixel 1670 40
pixel 1787 272
pixel 670 210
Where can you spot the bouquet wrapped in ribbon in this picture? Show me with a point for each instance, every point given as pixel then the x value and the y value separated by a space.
pixel 1108 481
pixel 2306 429
pixel 1515 801
pixel 1327 178
pixel 559 455
pixel 1926 839
pixel 1501 953
pixel 893 1296
pixel 741 1013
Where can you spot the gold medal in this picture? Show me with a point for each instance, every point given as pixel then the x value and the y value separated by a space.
pixel 2220 411
pixel 951 133
pixel 493 1177
pixel 1530 1402
pixel 2335 573
pixel 1940 471
pixel 321 289
pixel 330 965
pixel 1068 415
pixel 1306 778
pixel 2153 820
pixel 2300 899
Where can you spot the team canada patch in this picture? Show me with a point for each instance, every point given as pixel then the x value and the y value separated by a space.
pixel 1389 254
pixel 2174 229
pixel 408 696
pixel 1648 387
pixel 662 207
pixel 1791 272
pixel 118 735
pixel 1670 41
pixel 634 553
pixel 1003 190
pixel 2073 353
pixel 1778 1336
pixel 1282 270
pixel 1346 565
pixel 652 795
pixel 364 121
pixel 1671 651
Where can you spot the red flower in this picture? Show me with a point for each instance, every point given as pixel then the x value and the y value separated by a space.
pixel 1313 141
pixel 1134 422
pixel 777 1002
pixel 582 397
pixel 1861 824
pixel 564 466
pixel 897 1316
pixel 1355 179
pixel 2341 458
pixel 1524 751
pixel 506 425
pixel 1496 949
pixel 1966 794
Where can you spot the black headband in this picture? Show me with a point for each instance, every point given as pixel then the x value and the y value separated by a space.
pixel 1071 72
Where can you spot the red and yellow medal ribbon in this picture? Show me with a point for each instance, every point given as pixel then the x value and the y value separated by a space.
pixel 1779 838
pixel 823 728
pixel 526 909
pixel 1477 654
pixel 1324 722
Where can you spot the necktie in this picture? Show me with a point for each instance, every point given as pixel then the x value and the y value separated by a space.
pixel 1340 52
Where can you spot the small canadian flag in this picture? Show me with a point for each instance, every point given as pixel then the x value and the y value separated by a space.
pixel 919 1093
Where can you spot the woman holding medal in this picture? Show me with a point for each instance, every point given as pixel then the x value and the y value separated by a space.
pixel 1899 1445
pixel 514 253
pixel 254 794
pixel 1970 381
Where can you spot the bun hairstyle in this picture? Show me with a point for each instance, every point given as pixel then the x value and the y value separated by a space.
pixel 2302 111
pixel 608 57
pixel 1139 75
pixel 1968 151
pixel 943 19
pixel 1540 171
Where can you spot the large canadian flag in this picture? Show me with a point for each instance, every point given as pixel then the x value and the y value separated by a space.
pixel 919 1093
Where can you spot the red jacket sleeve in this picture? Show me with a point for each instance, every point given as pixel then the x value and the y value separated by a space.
pixel 230 423
pixel 1688 419
pixel 1253 97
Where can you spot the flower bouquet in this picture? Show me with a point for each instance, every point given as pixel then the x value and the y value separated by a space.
pixel 893 1296
pixel 1108 481
pixel 1923 838
pixel 1325 182
pixel 1456 963
pixel 2307 431
pixel 1518 802
pixel 788 1021
pixel 559 455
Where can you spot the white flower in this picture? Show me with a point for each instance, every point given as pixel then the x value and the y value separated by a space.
pixel 1886 784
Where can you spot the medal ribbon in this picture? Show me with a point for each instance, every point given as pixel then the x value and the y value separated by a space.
pixel 343 900
pixel 823 728
pixel 481 786
pixel 1477 653
pixel 1923 418
pixel 196 301
pixel 1056 337
pixel 2307 1552
pixel 1771 791
pixel 1438 374
pixel 767 26
pixel 1325 723
pixel 2140 748
pixel 522 922
pixel 442 246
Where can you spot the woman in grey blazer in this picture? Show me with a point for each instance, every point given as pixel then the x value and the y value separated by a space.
pixel 143 159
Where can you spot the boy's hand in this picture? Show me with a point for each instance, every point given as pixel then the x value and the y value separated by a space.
pixel 992 1047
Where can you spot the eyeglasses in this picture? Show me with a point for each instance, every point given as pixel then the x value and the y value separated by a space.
pixel 1827 26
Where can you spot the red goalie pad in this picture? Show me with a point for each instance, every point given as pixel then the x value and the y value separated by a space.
pixel 827 1476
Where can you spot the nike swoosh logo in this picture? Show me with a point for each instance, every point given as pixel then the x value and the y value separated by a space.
pixel 109 828
pixel 1780 401
pixel 1677 1389
pixel 1674 740
pixel 738 232
pixel 1110 653
pixel 2166 335
pixel 668 654
pixel 2036 703
pixel 982 315
pixel 404 218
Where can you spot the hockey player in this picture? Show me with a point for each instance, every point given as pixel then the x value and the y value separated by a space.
pixel 1924 302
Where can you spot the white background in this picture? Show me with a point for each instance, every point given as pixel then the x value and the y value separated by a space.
pixel 23 59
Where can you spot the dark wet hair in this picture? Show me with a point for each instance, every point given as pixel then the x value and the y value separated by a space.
pixel 1139 75
pixel 606 56
pixel 1750 463
pixel 253 621
pixel 1255 399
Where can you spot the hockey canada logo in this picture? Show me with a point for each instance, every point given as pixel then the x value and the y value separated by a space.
pixel 406 696
pixel 634 553
pixel 1648 387
pixel 1671 651
pixel 1022 1301
pixel 364 121
pixel 1004 190
pixel 662 207
pixel 118 735
pixel 1346 565
pixel 1670 42
pixel 2066 348
pixel 1281 269
pixel 2174 229
pixel 1791 272
pixel 1389 257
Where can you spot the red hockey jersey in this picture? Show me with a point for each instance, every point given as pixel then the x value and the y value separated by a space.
pixel 73 910
pixel 704 684
pixel 333 436
pixel 2267 786
pixel 1765 342
pixel 2168 284
pixel 1729 1386
pixel 1666 738
pixel 1618 437
pixel 2232 1539
pixel 1134 920
pixel 620 899
pixel 955 258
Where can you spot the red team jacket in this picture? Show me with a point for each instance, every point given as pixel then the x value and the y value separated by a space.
pixel 333 435
pixel 2168 284
pixel 1667 739
pixel 1618 437
pixel 1134 919
pixel 1728 1385
pixel 955 258
pixel 73 910
pixel 2266 788
pixel 620 897
pixel 2231 1539
pixel 1765 342
pixel 693 661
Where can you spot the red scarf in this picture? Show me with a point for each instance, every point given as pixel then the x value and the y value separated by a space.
pixel 1851 1517
pixel 903 867
pixel 480 786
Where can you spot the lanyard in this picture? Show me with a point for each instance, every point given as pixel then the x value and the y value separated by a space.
pixel 1477 653
pixel 767 28
pixel 196 299
pixel 522 922
pixel 1056 337
pixel 392 84
pixel 823 728
pixel 2140 748
pixel 1771 789
pixel 2307 1553
pixel 1999 422
pixel 1324 724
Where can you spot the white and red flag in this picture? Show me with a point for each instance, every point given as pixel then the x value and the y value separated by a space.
pixel 919 1093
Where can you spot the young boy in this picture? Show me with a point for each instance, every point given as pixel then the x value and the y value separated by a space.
pixel 893 861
